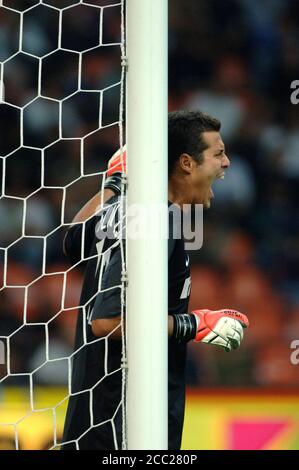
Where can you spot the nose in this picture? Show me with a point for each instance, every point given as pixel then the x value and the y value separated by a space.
pixel 225 161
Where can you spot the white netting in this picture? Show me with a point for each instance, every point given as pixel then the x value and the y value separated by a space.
pixel 62 66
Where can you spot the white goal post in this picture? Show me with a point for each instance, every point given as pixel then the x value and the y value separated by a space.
pixel 142 47
pixel 146 120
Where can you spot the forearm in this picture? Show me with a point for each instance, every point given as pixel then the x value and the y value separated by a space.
pixel 170 326
pixel 223 328
pixel 92 206
pixel 112 327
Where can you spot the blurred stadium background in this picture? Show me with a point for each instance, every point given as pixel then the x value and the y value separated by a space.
pixel 234 59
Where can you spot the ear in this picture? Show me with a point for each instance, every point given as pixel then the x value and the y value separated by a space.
pixel 186 163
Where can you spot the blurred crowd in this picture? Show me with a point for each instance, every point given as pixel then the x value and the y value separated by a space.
pixel 234 59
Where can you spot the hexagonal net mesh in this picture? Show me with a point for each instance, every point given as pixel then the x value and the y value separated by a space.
pixel 61 107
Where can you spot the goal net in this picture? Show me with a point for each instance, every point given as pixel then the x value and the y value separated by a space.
pixel 62 74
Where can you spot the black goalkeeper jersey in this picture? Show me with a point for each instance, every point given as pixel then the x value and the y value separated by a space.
pixel 94 414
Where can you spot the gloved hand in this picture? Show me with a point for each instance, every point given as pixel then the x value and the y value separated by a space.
pixel 118 162
pixel 224 328
pixel 116 166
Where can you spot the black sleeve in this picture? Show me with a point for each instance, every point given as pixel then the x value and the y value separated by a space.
pixel 108 303
pixel 171 246
pixel 174 228
pixel 73 240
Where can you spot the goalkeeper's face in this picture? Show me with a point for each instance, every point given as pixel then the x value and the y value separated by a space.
pixel 212 167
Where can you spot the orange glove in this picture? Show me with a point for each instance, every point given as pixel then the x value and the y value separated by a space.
pixel 118 162
pixel 117 165
pixel 224 328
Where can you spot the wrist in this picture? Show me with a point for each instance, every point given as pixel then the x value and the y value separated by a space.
pixel 184 327
pixel 114 182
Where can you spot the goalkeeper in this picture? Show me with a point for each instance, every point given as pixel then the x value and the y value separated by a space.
pixel 94 421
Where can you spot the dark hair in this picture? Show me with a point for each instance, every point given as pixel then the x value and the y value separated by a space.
pixel 185 130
